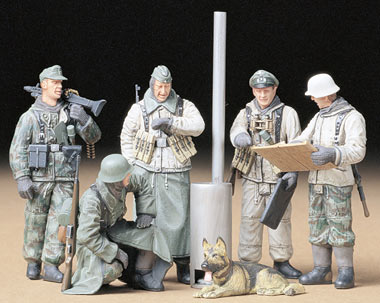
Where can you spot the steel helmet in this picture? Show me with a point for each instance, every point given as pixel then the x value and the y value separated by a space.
pixel 321 85
pixel 114 168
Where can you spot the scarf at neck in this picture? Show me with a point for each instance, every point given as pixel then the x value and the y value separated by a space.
pixel 276 101
pixel 40 105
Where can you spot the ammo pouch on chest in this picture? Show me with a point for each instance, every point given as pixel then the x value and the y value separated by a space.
pixel 243 159
pixel 38 155
pixel 143 146
pixel 183 147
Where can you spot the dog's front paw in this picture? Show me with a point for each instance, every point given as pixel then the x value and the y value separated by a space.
pixel 210 295
pixel 197 294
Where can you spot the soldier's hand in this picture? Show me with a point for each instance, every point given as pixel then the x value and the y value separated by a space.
pixel 71 90
pixel 78 114
pixel 291 178
pixel 323 155
pixel 163 124
pixel 144 221
pixel 243 140
pixel 122 256
pixel 25 187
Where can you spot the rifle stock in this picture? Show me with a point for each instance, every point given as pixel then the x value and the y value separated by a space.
pixel 72 229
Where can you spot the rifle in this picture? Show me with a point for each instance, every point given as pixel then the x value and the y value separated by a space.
pixel 137 88
pixel 358 181
pixel 71 152
pixel 68 96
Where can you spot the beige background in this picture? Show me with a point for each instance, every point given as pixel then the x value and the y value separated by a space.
pixel 15 287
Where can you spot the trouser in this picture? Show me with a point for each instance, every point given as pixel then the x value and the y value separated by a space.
pixel 255 198
pixel 41 225
pixel 330 218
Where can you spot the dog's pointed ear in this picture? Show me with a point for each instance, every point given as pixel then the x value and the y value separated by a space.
pixel 205 244
pixel 220 243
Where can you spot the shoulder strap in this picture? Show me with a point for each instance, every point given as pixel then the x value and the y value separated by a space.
pixel 248 114
pixel 103 208
pixel 180 107
pixel 145 116
pixel 277 126
pixel 41 136
pixel 338 124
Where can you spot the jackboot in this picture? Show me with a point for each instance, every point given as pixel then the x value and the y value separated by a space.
pixel 145 280
pixel 287 270
pixel 321 273
pixel 33 271
pixel 344 261
pixel 52 273
pixel 183 270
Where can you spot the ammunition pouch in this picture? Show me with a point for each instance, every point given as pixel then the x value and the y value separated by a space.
pixel 143 146
pixel 182 147
pixel 243 159
pixel 38 155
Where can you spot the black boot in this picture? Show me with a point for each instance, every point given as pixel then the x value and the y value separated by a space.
pixel 145 280
pixel 183 270
pixel 345 278
pixel 33 271
pixel 345 262
pixel 319 275
pixel 52 273
pixel 287 270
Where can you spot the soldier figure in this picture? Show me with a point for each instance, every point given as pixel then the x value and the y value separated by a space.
pixel 156 139
pixel 338 132
pixel 44 177
pixel 266 113
pixel 104 237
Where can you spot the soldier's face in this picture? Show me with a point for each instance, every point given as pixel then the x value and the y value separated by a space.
pixel 322 102
pixel 264 95
pixel 161 90
pixel 52 88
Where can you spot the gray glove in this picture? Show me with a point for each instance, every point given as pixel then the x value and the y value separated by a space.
pixel 25 187
pixel 163 124
pixel 291 178
pixel 323 155
pixel 122 256
pixel 144 221
pixel 78 114
pixel 243 140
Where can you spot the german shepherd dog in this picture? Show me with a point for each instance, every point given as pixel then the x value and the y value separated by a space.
pixel 241 278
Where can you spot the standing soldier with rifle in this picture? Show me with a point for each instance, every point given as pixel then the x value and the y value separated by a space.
pixel 44 175
pixel 338 132
pixel 156 139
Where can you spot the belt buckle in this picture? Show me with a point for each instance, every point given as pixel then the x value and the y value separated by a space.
pixel 54 148
pixel 161 142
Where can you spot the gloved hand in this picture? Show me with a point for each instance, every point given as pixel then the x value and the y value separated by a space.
pixel 291 178
pixel 243 140
pixel 144 221
pixel 163 124
pixel 323 155
pixel 79 114
pixel 25 187
pixel 122 256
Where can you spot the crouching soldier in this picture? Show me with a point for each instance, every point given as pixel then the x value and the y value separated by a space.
pixel 104 237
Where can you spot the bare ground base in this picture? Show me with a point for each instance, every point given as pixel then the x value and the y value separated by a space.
pixel 15 287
